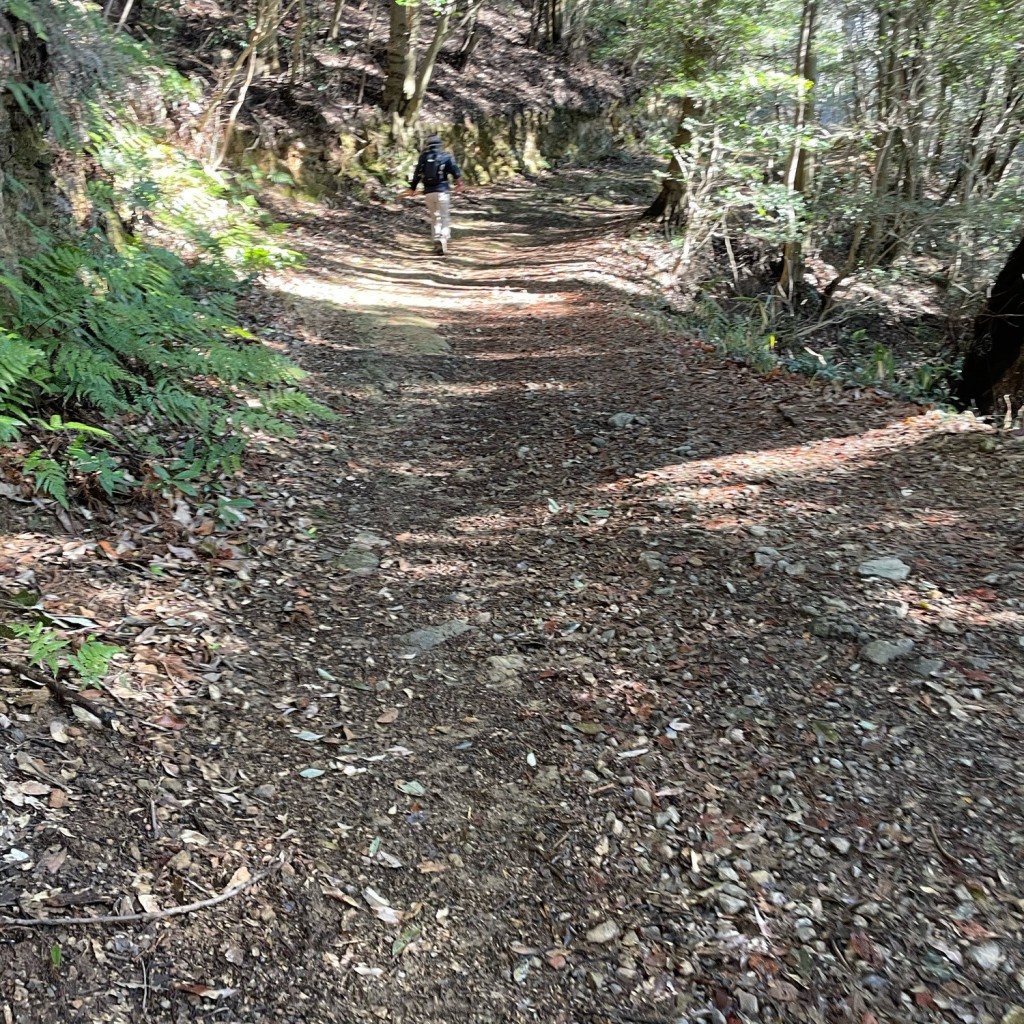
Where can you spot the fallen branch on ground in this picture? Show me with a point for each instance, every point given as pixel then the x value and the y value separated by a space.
pixel 67 694
pixel 153 915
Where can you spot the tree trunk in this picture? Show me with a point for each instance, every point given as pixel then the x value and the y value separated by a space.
pixel 667 207
pixel 800 170
pixel 403 37
pixel 993 370
pixel 426 67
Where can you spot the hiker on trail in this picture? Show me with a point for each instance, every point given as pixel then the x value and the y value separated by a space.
pixel 434 168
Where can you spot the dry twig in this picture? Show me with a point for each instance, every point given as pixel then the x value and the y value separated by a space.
pixel 154 915
pixel 62 692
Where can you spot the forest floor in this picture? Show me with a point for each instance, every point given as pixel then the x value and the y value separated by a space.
pixel 571 675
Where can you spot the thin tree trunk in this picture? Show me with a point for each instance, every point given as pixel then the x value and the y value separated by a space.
pixel 668 204
pixel 400 85
pixel 800 170
pixel 426 68
pixel 335 29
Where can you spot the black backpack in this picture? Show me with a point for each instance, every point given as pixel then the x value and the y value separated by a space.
pixel 434 164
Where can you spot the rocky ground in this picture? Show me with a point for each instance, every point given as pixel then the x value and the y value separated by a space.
pixel 570 675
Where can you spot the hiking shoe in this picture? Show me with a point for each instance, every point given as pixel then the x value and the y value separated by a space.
pixel 442 249
pixel 439 248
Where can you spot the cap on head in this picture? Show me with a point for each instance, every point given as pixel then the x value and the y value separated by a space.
pixel 433 140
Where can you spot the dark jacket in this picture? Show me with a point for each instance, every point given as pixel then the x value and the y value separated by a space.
pixel 447 168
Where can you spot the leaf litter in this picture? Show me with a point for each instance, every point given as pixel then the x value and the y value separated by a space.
pixel 613 629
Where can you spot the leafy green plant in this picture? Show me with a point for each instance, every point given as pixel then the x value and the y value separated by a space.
pixel 47 476
pixel 47 649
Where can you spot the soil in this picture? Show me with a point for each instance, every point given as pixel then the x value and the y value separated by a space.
pixel 556 680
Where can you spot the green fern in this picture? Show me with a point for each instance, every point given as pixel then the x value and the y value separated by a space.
pixel 45 645
pixel 92 660
pixel 47 476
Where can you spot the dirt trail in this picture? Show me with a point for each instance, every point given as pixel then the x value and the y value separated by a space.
pixel 563 680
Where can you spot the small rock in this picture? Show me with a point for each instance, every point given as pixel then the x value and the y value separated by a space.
pixel 665 853
pixel 882 652
pixel 869 909
pixel 503 667
pixel 886 568
pixel 731 905
pixel 652 560
pixel 748 1003
pixel 928 666
pixel 758 531
pixel 841 844
pixel 626 419
pixel 642 798
pixel 829 628
pixel 988 955
pixel 766 557
pixel 358 560
pixel 180 862
pixel 265 792
pixel 431 636
pixel 605 932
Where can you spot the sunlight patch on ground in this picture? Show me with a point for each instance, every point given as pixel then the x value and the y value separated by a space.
pixel 390 294
pixel 714 479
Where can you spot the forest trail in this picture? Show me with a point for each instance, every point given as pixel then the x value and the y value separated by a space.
pixel 580 675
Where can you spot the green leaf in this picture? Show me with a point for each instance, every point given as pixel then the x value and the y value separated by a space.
pixel 407 935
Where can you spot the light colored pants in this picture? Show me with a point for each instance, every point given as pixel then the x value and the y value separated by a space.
pixel 439 209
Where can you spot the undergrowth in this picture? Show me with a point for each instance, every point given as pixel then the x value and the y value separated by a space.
pixel 122 362
pixel 125 373
pixel 757 340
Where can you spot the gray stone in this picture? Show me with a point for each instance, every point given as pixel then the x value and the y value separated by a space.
pixel 731 905
pixel 841 844
pixel 882 652
pixel 766 557
pixel 502 667
pixel 748 1003
pixel 603 933
pixel 432 636
pixel 836 629
pixel 888 568
pixel 358 559
pixel 626 419
pixel 988 955
pixel 642 798
pixel 928 666
pixel 652 560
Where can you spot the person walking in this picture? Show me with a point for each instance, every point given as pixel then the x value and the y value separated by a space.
pixel 434 168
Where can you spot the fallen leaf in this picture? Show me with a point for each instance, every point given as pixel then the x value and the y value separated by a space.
pixel 203 991
pixel 59 731
pixel 169 721
pixel 411 788
pixel 311 773
pixel 431 867
pixel 409 935
pixel 381 907
pixel 149 903
pixel 240 877
pixel 389 716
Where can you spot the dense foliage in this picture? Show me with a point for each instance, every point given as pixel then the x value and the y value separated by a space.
pixel 122 365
